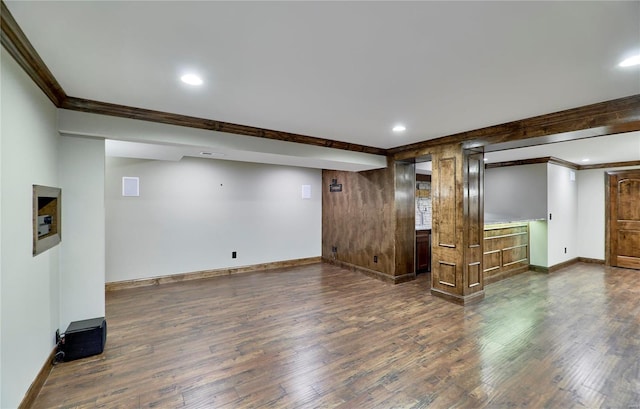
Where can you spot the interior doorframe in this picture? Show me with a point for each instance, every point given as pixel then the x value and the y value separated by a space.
pixel 608 248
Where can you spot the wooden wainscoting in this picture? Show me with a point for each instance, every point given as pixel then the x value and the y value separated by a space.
pixel 506 250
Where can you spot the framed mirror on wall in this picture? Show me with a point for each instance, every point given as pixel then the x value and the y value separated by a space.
pixel 47 225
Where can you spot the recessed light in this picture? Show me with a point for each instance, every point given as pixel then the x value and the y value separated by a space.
pixel 399 128
pixel 585 160
pixel 191 79
pixel 486 159
pixel 631 61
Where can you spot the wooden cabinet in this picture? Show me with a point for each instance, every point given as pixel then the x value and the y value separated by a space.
pixel 506 250
pixel 423 251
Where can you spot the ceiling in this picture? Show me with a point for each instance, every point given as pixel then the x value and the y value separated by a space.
pixel 604 149
pixel 346 71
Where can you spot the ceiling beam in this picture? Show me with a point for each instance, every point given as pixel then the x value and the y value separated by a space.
pixel 103 108
pixel 603 118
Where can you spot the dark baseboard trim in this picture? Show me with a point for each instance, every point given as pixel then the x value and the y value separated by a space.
pixel 505 274
pixel 38 382
pixel 459 299
pixel 562 265
pixel 198 275
pixel 538 269
pixel 590 260
pixel 556 267
pixel 387 278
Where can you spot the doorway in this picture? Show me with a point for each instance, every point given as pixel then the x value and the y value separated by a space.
pixel 623 219
pixel 423 215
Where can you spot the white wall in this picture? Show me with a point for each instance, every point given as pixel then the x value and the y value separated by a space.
pixel 82 253
pixel 515 193
pixel 30 285
pixel 591 212
pixel 562 199
pixel 193 213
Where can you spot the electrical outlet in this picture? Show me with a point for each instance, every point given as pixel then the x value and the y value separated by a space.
pixel 549 216
pixel 234 254
pixel 375 259
pixel 565 250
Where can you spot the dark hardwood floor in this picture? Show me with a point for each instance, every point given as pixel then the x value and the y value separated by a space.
pixel 322 337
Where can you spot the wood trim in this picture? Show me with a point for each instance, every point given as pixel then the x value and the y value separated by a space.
pixel 547 159
pixel 610 165
pixel 562 265
pixel 473 298
pixel 538 269
pixel 520 162
pixel 41 378
pixel 387 278
pixel 602 118
pixel 567 263
pixel 198 275
pixel 104 108
pixel 607 219
pixel 506 274
pixel 590 260
pixel 561 162
pixel 554 268
pixel 16 43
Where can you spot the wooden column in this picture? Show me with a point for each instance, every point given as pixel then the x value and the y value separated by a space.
pixel 405 220
pixel 458 220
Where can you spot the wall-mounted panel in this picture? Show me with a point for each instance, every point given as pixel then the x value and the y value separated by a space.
pixel 475 276
pixel 506 250
pixel 447 202
pixel 447 276
pixel 474 207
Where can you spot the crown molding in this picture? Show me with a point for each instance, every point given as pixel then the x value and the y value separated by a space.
pixel 610 165
pixel 16 43
pixel 561 162
pixel 104 108
pixel 546 159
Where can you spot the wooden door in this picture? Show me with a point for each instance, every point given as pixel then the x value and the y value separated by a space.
pixel 623 219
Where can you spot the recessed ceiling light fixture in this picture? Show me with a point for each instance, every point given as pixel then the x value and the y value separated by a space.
pixel 191 79
pixel 399 128
pixel 631 61
pixel 585 160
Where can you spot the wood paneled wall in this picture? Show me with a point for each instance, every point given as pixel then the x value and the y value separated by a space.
pixel 506 251
pixel 372 217
pixel 358 221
